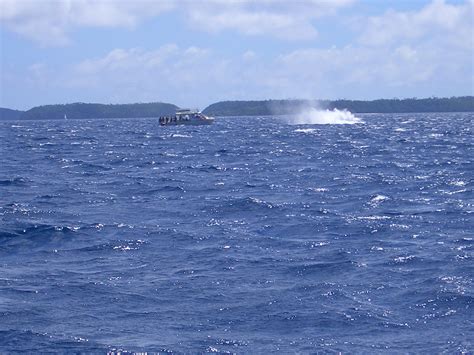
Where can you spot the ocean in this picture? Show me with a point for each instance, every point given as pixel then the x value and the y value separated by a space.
pixel 251 235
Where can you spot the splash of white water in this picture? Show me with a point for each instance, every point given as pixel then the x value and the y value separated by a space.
pixel 314 116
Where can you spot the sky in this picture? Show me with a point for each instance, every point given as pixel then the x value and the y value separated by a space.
pixel 196 52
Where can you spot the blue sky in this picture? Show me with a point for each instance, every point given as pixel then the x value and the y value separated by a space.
pixel 194 53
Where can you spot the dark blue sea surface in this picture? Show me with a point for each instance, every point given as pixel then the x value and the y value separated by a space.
pixel 250 235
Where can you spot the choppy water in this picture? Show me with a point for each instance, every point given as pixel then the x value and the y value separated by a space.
pixel 247 236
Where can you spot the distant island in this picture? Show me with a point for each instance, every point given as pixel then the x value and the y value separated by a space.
pixel 90 111
pixel 239 108
pixel 8 114
pixel 282 107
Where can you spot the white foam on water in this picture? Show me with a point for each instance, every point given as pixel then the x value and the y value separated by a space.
pixel 177 135
pixel 374 218
pixel 457 183
pixel 315 116
pixel 404 259
pixel 378 199
pixel 305 130
pixel 319 189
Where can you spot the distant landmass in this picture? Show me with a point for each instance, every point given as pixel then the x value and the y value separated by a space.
pixel 239 108
pixel 8 114
pixel 281 107
pixel 90 111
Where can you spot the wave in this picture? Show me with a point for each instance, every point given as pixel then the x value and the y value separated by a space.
pixel 245 204
pixel 16 181
pixel 36 230
pixel 116 245
pixel 167 188
pixel 29 341
pixel 177 135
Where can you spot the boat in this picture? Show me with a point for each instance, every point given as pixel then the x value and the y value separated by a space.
pixel 186 117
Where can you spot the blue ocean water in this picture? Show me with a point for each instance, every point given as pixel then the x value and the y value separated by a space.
pixel 247 236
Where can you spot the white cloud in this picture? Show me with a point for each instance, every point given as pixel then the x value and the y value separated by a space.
pixel 290 20
pixel 430 46
pixel 249 23
pixel 397 53
pixel 128 60
pixel 249 56
pixel 49 22
pixel 197 76
pixel 38 72
pixel 446 24
pixel 339 71
pixel 168 73
pixel 385 61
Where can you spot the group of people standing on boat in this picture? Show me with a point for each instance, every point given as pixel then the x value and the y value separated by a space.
pixel 173 119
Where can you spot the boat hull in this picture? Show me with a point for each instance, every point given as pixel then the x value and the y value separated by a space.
pixel 188 123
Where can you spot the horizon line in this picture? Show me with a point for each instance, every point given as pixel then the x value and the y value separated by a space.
pixel 248 100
